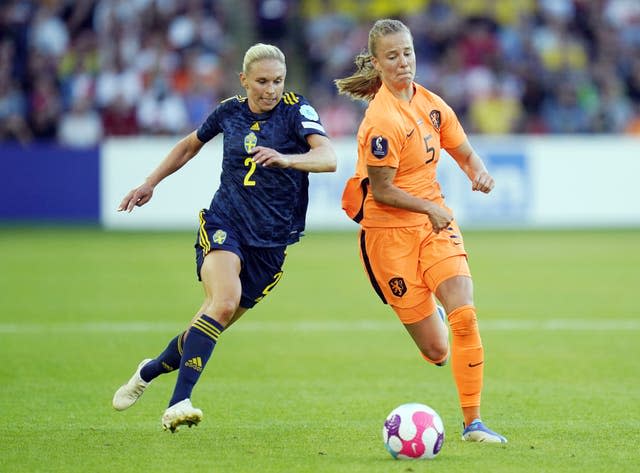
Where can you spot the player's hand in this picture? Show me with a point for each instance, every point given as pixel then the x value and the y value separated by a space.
pixel 136 198
pixel 269 157
pixel 440 218
pixel 483 182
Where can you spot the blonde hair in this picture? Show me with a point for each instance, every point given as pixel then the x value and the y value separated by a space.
pixel 365 82
pixel 260 51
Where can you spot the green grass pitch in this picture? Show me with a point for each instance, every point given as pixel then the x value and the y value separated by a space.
pixel 304 381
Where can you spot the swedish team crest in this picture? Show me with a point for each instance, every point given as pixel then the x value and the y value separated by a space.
pixel 250 142
pixel 398 287
pixel 219 237
pixel 435 117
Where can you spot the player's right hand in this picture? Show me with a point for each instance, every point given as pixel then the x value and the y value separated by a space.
pixel 440 218
pixel 136 198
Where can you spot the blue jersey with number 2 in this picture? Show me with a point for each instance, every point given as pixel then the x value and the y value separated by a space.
pixel 265 206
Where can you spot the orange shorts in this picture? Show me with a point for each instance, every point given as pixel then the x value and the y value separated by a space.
pixel 406 265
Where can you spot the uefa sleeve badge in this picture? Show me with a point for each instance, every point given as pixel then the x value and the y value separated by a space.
pixel 379 146
pixel 309 112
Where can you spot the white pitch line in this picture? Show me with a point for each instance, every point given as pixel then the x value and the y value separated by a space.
pixel 510 325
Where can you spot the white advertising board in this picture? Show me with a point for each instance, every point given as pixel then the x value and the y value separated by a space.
pixel 545 182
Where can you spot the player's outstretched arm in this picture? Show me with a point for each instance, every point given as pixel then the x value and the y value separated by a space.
pixel 320 158
pixel 179 155
pixel 473 167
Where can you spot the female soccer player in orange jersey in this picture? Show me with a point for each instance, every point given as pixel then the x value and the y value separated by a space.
pixel 410 245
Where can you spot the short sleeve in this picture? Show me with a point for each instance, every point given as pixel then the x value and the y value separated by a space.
pixel 210 127
pixel 380 145
pixel 306 118
pixel 452 134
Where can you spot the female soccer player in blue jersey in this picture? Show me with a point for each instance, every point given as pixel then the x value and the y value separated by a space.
pixel 272 140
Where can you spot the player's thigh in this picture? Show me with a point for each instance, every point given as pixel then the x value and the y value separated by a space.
pixel 390 257
pixel 457 291
pixel 220 273
pixel 451 281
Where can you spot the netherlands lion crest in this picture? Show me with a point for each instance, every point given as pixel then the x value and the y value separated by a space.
pixel 435 117
pixel 398 287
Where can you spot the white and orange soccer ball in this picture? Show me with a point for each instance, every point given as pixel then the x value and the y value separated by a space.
pixel 413 431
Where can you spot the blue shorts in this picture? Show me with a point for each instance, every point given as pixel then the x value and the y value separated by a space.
pixel 261 267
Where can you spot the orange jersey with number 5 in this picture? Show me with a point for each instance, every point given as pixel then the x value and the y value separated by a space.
pixel 406 136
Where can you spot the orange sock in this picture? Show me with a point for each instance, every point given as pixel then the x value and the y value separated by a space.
pixel 467 355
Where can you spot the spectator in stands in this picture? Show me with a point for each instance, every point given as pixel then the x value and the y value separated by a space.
pixel 80 127
pixel 633 127
pixel 45 108
pixel 98 49
pixel 161 110
pixel 496 112
pixel 119 118
pixel 614 107
pixel 116 79
pixel 48 32
pixel 78 69
pixel 562 112
pixel 272 19
pixel 13 112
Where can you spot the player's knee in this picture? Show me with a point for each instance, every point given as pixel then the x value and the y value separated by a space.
pixel 222 310
pixel 463 321
pixel 435 352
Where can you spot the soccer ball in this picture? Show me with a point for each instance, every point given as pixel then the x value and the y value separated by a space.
pixel 413 431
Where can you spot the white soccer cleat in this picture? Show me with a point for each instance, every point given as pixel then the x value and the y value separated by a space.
pixel 129 393
pixel 181 413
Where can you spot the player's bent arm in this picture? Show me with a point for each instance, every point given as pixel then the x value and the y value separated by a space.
pixel 179 155
pixel 385 192
pixel 320 158
pixel 182 152
pixel 473 166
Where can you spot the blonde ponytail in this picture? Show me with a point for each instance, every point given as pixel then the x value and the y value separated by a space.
pixel 364 83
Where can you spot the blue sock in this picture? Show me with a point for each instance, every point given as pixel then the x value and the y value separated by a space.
pixel 198 348
pixel 165 362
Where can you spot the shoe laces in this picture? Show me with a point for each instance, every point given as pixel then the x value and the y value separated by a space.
pixel 138 388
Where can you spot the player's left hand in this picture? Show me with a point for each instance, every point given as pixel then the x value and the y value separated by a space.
pixel 483 182
pixel 269 157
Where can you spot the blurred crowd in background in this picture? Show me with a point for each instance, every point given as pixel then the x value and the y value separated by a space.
pixel 77 71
